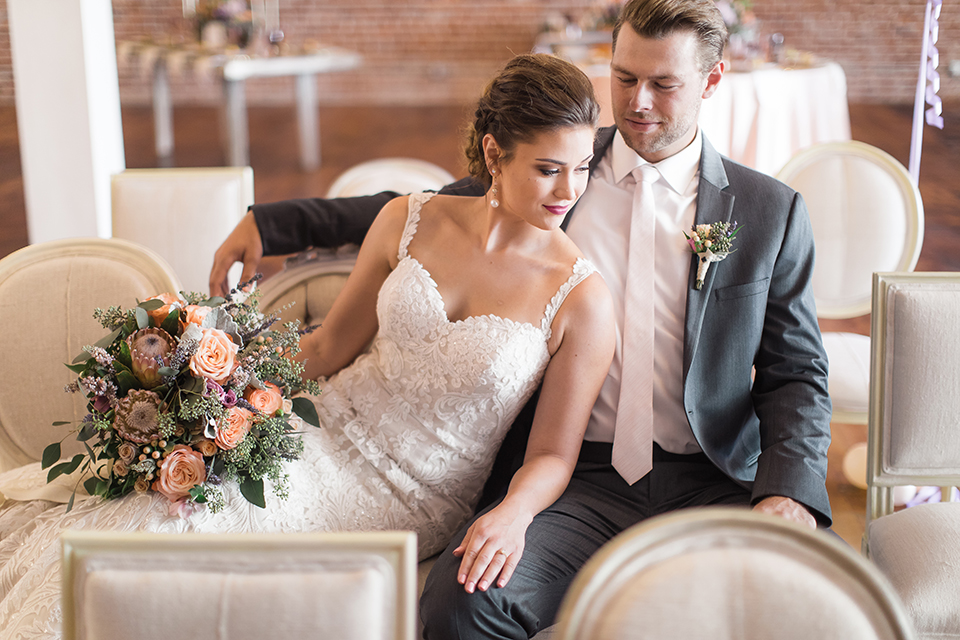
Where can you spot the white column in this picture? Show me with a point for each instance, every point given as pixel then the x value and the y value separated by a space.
pixel 68 114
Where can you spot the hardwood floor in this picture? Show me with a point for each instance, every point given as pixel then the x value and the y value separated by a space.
pixel 353 134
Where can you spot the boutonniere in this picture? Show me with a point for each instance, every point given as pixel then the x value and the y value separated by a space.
pixel 712 243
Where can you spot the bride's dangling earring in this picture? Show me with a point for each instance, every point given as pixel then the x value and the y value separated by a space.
pixel 494 193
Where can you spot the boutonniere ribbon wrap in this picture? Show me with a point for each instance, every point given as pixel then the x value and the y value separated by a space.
pixel 711 243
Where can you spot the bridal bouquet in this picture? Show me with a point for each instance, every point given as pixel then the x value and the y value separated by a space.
pixel 183 394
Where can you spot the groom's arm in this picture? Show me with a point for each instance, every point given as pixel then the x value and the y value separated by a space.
pixel 289 226
pixel 790 388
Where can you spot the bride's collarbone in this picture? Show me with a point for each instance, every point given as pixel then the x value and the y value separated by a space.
pixel 472 286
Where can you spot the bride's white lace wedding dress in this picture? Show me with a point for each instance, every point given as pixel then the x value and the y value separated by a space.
pixel 409 434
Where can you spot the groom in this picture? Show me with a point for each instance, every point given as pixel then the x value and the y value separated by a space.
pixel 740 411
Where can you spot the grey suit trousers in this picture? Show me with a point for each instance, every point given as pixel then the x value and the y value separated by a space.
pixel 597 505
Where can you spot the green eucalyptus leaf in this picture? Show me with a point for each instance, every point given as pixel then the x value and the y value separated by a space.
pixel 217 467
pixel 171 324
pixel 123 355
pixel 50 455
pixel 65 468
pixel 91 484
pixel 252 490
pixel 143 319
pixel 151 305
pixel 215 301
pixel 106 340
pixel 86 432
pixel 305 409
pixel 70 501
pixel 126 381
pixel 167 371
pixel 198 494
pixel 60 423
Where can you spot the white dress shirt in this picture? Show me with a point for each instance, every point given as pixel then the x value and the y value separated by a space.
pixel 601 228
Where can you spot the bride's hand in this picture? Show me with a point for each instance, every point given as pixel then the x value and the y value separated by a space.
pixel 493 546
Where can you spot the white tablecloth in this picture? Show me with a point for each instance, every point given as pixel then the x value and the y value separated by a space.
pixel 761 118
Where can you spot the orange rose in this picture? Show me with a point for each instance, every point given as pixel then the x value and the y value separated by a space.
pixel 206 447
pixel 193 314
pixel 215 357
pixel 170 301
pixel 180 471
pixel 237 426
pixel 268 400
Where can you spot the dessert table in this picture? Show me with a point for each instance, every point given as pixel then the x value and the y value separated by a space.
pixel 233 68
pixel 761 118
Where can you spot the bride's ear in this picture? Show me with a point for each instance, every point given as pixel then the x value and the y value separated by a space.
pixel 491 152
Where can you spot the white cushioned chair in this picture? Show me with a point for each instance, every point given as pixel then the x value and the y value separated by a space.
pixel 729 574
pixel 182 214
pixel 48 293
pixel 913 440
pixel 403 175
pixel 348 586
pixel 867 216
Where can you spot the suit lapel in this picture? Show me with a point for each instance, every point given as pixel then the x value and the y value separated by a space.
pixel 713 205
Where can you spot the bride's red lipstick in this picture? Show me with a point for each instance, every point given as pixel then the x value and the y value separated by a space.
pixel 557 211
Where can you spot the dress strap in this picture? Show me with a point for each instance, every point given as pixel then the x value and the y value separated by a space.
pixel 416 202
pixel 582 269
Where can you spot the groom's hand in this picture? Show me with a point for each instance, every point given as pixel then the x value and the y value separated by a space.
pixel 786 508
pixel 242 245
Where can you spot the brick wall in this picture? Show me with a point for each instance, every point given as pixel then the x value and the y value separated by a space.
pixel 442 51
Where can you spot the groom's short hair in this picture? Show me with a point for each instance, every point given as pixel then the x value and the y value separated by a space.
pixel 660 18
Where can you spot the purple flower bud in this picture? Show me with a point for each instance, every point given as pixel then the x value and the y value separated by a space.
pixel 214 389
pixel 229 399
pixel 101 404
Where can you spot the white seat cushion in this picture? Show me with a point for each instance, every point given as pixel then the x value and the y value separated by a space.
pixel 918 549
pixel 849 380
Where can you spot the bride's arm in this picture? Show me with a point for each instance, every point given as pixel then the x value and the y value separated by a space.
pixel 352 321
pixel 571 384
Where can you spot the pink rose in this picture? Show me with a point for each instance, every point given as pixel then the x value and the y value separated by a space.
pixel 215 357
pixel 237 425
pixel 170 301
pixel 268 400
pixel 180 471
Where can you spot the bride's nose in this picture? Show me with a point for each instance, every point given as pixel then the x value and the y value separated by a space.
pixel 566 188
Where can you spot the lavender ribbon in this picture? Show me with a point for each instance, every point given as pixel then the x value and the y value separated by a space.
pixel 932 56
pixel 928 84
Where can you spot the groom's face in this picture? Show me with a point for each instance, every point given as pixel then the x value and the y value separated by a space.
pixel 656 88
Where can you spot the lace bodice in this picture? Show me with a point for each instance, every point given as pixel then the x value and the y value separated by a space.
pixel 409 434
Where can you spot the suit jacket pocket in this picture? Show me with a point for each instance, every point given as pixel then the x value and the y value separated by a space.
pixel 743 290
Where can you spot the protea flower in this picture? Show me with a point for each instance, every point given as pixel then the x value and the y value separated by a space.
pixel 150 349
pixel 136 416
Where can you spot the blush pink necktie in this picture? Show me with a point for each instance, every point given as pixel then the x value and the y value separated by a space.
pixel 633 436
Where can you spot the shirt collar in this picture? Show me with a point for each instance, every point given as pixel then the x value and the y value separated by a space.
pixel 678 170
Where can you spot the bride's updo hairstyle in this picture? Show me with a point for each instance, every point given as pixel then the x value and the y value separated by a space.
pixel 534 93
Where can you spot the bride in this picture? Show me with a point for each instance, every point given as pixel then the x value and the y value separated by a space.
pixel 471 304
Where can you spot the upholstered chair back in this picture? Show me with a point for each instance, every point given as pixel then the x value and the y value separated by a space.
pixel 348 586
pixel 729 574
pixel 308 285
pixel 402 175
pixel 48 293
pixel 182 214
pixel 866 214
pixel 913 440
